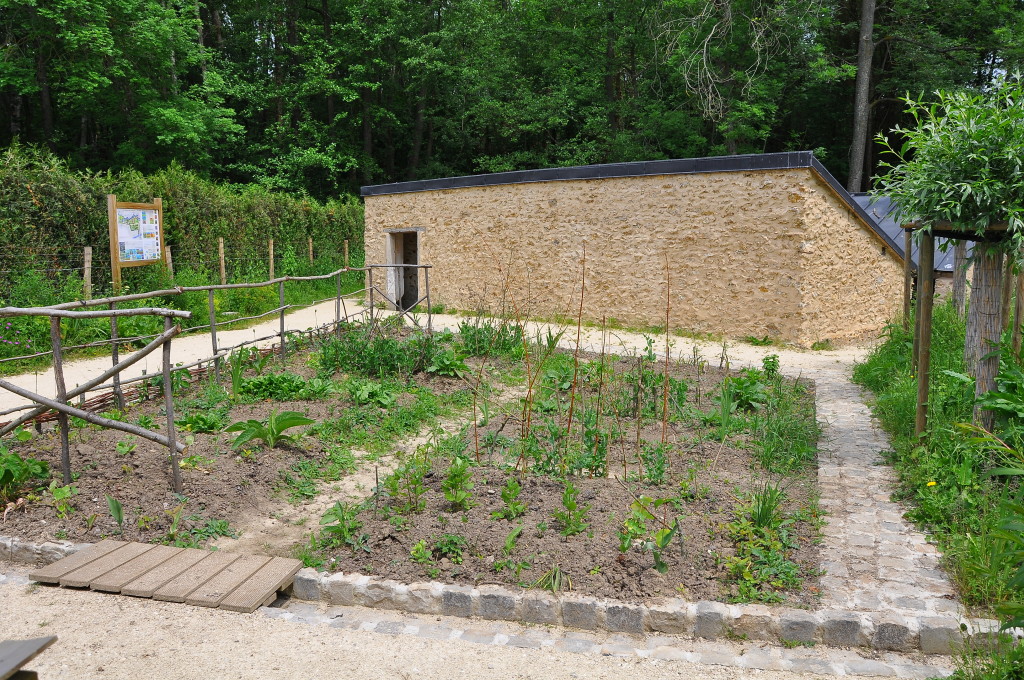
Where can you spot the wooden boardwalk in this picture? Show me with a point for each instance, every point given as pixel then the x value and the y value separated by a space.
pixel 238 583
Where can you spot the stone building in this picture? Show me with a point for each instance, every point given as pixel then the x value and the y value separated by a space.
pixel 759 245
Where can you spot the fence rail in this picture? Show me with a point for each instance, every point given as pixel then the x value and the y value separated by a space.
pixel 43 408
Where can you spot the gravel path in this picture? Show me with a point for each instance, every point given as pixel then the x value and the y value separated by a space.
pixel 109 636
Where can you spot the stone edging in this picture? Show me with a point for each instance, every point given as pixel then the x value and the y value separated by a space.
pixel 705 619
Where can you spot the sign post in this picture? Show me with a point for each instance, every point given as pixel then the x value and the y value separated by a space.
pixel 136 235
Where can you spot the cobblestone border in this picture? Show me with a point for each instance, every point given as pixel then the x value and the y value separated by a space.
pixel 706 620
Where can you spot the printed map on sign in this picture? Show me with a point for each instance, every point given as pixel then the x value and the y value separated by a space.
pixel 138 235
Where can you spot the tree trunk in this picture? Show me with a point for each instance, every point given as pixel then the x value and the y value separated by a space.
pixel 417 133
pixel 1006 295
pixel 960 277
pixel 985 303
pixel 45 101
pixel 861 104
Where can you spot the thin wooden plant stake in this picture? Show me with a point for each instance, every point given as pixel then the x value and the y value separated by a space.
pixel 62 418
pixel 668 307
pixel 576 354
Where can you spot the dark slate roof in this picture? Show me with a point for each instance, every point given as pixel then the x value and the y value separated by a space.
pixel 765 161
pixel 881 210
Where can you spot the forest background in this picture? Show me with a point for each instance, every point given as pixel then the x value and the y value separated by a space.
pixel 316 97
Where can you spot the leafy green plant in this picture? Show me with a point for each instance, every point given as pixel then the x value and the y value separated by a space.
pixel 654 458
pixel 370 392
pixel 448 363
pixel 452 547
pixel 125 448
pixel 117 512
pixel 513 508
pixel 634 530
pixel 406 486
pixel 572 516
pixel 146 421
pixel 341 526
pixel 458 486
pixel 61 498
pixel 203 421
pixel 517 566
pixel 421 553
pixel 770 366
pixel 283 386
pixel 16 473
pixel 271 431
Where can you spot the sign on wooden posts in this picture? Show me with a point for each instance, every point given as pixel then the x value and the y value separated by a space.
pixel 136 235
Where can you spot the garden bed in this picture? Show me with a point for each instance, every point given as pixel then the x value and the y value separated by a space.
pixel 628 488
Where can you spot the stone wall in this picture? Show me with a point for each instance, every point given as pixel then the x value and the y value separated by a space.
pixel 750 253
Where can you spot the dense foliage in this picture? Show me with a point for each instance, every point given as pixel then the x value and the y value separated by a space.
pixel 324 96
pixel 49 211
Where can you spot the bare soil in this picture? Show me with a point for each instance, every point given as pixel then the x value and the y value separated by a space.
pixel 246 491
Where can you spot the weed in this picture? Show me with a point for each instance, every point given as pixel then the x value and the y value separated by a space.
pixel 146 421
pixel 340 526
pixel 125 448
pixel 555 580
pixel 452 547
pixel 365 392
pixel 16 473
pixel 406 486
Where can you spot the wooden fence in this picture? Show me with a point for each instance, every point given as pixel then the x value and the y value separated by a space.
pixel 44 409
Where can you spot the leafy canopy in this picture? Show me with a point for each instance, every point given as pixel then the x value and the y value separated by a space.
pixel 962 160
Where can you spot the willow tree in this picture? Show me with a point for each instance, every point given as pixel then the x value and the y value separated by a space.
pixel 960 167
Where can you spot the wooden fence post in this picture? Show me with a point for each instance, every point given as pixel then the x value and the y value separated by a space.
pixel 310 242
pixel 115 258
pixel 62 396
pixel 220 254
pixel 337 306
pixel 270 244
pixel 118 394
pixel 213 336
pixel 430 313
pixel 87 272
pixel 280 297
pixel 169 409
pixel 346 253
pixel 925 300
pixel 169 260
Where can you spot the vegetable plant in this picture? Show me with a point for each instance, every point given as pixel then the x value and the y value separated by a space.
pixel 271 431
pixel 572 516
pixel 513 508
pixel 458 486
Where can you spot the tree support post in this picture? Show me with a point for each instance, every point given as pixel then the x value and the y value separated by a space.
pixel 908 277
pixel 925 300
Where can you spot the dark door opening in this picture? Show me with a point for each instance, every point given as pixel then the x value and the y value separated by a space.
pixel 410 275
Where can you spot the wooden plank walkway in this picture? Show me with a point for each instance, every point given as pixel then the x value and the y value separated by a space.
pixel 238 583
